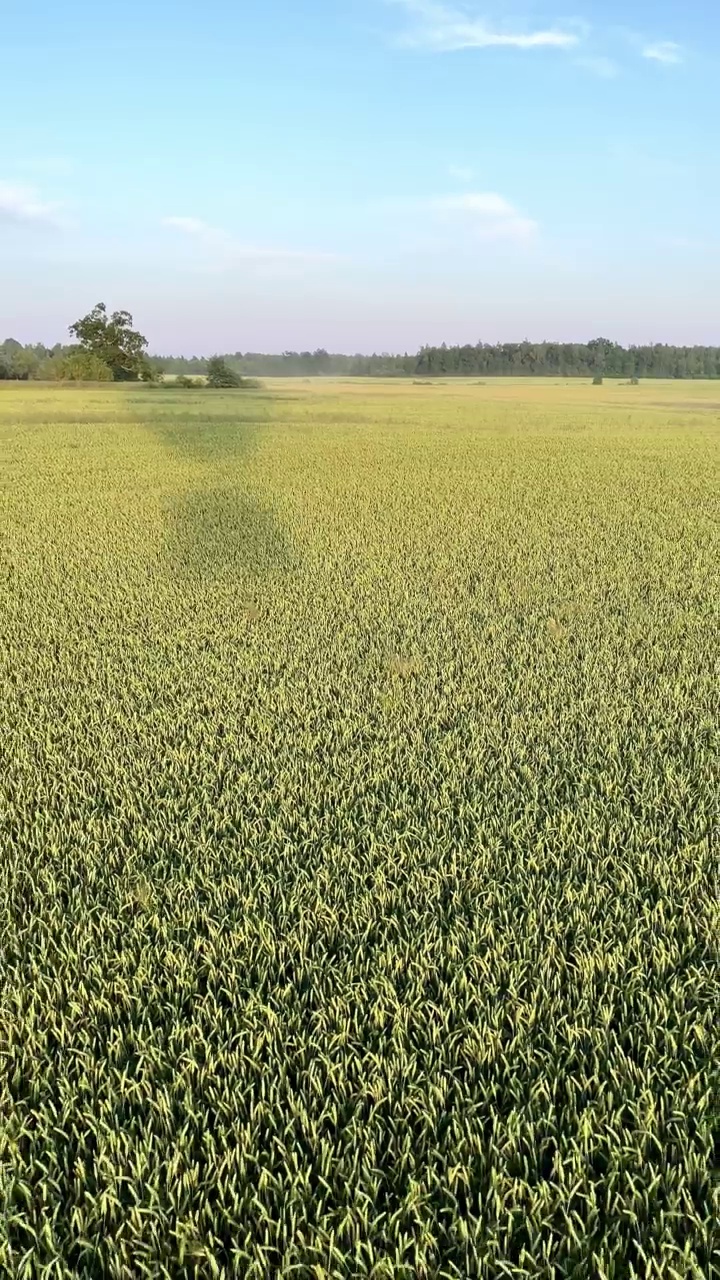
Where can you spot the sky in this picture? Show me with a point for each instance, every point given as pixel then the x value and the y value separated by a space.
pixel 362 175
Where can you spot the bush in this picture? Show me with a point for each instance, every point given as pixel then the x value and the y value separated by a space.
pixel 187 383
pixel 219 374
pixel 82 366
pixel 634 382
pixel 597 380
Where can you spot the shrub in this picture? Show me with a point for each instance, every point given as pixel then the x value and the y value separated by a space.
pixel 219 374
pixel 597 380
pixel 82 366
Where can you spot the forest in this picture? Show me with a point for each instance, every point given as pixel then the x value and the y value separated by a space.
pixel 503 359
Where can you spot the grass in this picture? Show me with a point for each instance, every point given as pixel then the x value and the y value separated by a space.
pixel 358 807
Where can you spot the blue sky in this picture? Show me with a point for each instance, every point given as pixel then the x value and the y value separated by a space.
pixel 362 174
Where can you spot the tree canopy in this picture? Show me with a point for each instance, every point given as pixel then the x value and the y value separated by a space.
pixel 219 374
pixel 112 340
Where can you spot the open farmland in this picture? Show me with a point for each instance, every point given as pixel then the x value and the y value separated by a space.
pixel 358 808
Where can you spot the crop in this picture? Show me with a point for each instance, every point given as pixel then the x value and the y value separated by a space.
pixel 358 812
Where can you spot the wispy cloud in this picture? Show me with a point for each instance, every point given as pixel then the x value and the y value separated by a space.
pixel 444 29
pixel 223 242
pixel 665 51
pixel 490 215
pixel 21 206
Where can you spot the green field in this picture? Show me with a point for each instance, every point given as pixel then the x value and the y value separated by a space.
pixel 359 814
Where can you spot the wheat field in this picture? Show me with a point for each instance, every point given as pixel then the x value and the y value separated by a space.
pixel 359 822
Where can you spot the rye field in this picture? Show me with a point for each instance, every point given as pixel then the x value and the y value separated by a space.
pixel 359 832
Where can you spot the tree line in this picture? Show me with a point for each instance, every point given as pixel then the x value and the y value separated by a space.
pixel 569 360
pixel 502 359
pixel 109 349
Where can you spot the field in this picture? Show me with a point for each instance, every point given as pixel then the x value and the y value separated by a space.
pixel 359 815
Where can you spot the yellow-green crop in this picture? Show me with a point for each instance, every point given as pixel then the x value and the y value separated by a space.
pixel 359 818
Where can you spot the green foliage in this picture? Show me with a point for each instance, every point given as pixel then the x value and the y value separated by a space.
pixel 358 808
pixel 24 364
pixel 569 360
pixel 219 374
pixel 598 380
pixel 524 359
pixel 21 363
pixel 82 366
pixel 484 359
pixel 113 340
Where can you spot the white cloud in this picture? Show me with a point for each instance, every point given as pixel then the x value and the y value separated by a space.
pixel 665 51
pixel 223 242
pixel 20 206
pixel 444 29
pixel 490 215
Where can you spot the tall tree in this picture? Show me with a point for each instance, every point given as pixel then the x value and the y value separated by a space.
pixel 112 339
